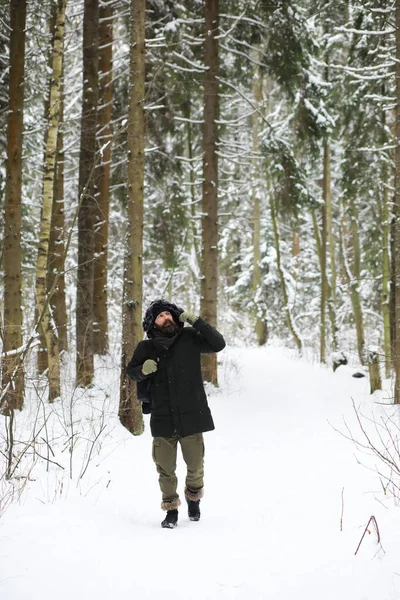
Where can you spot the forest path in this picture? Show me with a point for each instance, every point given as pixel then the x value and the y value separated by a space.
pixel 270 526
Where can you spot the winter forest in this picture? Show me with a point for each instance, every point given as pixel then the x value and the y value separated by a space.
pixel 240 158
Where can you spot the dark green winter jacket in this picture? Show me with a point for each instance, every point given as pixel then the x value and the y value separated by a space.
pixel 178 400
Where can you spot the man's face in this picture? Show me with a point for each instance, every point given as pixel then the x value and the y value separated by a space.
pixel 165 323
pixel 164 319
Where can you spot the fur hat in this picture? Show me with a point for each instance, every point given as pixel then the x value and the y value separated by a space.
pixel 157 307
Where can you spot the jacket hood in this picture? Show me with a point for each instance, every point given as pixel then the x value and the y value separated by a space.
pixel 157 307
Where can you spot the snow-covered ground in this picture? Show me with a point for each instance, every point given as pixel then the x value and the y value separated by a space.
pixel 280 481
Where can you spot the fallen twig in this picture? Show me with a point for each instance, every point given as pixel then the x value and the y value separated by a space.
pixel 371 520
pixel 341 515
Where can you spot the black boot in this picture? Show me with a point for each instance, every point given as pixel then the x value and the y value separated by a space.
pixel 193 509
pixel 171 519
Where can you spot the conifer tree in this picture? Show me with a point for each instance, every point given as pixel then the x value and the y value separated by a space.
pixel 56 258
pixel 12 370
pixel 397 213
pixel 260 316
pixel 86 215
pixel 129 408
pixel 46 320
pixel 367 163
pixel 210 180
pixel 102 193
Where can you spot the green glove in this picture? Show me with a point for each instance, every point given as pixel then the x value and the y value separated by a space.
pixel 188 316
pixel 149 367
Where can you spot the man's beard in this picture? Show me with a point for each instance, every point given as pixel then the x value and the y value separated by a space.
pixel 169 329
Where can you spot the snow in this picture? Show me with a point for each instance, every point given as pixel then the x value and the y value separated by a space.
pixel 276 472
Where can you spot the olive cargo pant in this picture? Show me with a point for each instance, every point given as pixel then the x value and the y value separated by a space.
pixel 164 456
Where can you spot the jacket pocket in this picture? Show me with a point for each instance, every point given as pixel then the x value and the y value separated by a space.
pixel 200 442
pixel 156 444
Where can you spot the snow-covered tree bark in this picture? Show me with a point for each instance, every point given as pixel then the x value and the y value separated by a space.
pixel 191 180
pixel 285 297
pixel 86 216
pixel 46 321
pixel 12 395
pixel 130 411
pixel 324 245
pixel 396 358
pixel 56 262
pixel 353 282
pixel 330 284
pixel 260 323
pixel 354 279
pixel 104 135
pixel 208 305
pixel 386 216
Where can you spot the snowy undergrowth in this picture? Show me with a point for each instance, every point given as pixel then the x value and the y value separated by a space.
pixel 56 446
pixel 285 507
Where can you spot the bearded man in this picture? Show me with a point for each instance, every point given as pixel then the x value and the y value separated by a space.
pixel 169 360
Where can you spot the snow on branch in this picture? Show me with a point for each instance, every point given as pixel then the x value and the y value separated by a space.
pixel 380 98
pixel 193 121
pixel 358 77
pixel 22 349
pixel 186 159
pixel 150 42
pixel 355 70
pixel 254 49
pixel 179 68
pixel 235 121
pixel 196 65
pixel 381 11
pixel 227 83
pixel 4 25
pixel 154 107
pixel 375 149
pixel 247 19
pixel 190 21
pixel 193 41
pixel 254 62
pixel 364 31
pixel 226 33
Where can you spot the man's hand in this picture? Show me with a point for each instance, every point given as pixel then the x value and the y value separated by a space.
pixel 188 316
pixel 149 367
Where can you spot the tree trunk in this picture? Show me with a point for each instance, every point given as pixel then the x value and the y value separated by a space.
pixel 324 244
pixel 392 298
pixel 56 265
pixel 130 412
pixel 386 276
pixel 374 372
pixel 355 241
pixel 56 258
pixel 84 296
pixel 46 322
pixel 42 361
pixel 192 182
pixel 331 306
pixel 397 213
pixel 208 304
pixel 285 298
pixel 332 253
pixel 259 316
pixel 296 251
pixel 353 280
pixel 103 171
pixel 355 283
pixel 331 287
pixel 12 368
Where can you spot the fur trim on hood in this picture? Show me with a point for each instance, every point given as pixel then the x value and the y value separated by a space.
pixel 157 307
